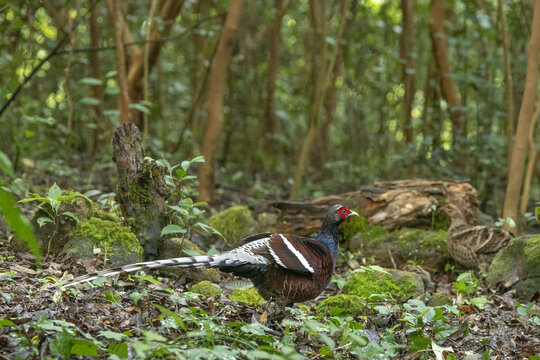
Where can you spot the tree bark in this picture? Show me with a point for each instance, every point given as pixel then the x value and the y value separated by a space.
pixel 168 11
pixel 531 164
pixel 510 105
pixel 214 105
pixel 270 123
pixel 322 75
pixel 115 7
pixel 449 89
pixel 407 58
pixel 142 192
pixel 97 90
pixel 519 151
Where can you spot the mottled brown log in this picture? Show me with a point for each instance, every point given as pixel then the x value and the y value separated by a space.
pixel 141 192
pixel 391 204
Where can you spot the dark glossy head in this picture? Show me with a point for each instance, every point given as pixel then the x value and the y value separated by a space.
pixel 337 214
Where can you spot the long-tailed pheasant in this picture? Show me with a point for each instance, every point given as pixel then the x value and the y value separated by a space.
pixel 284 268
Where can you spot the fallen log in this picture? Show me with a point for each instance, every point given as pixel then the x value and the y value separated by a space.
pixel 391 204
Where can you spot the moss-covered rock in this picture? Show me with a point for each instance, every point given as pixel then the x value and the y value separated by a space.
pixel 206 288
pixel 113 240
pixel 428 246
pixel 518 266
pixel 349 304
pixel 438 299
pixel 395 282
pixel 176 247
pixel 234 223
pixel 249 296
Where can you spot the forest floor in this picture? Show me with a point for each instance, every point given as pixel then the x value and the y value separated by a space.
pixel 156 317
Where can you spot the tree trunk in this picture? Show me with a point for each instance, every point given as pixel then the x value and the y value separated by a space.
pixel 142 192
pixel 97 90
pixel 449 89
pixel 510 105
pixel 519 151
pixel 322 75
pixel 407 58
pixel 214 105
pixel 168 11
pixel 115 7
pixel 531 164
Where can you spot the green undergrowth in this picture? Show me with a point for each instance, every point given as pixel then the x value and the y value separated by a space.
pixel 249 296
pixel 367 283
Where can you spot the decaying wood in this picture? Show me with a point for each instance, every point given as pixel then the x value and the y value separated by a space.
pixel 391 204
pixel 142 192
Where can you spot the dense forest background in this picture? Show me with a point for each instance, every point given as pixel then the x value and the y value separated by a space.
pixel 284 98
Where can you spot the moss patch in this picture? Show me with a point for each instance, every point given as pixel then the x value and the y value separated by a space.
pixel 417 241
pixel 206 288
pixel 349 304
pixel 249 296
pixel 234 223
pixel 520 260
pixel 359 225
pixel 403 283
pixel 115 241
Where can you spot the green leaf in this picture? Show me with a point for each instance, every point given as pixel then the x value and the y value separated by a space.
pixel 442 330
pixel 54 192
pixel 84 348
pixel 71 215
pixel 91 101
pixel 62 344
pixel 479 302
pixel 120 350
pixel 43 220
pixel 191 252
pixel 19 225
pixel 91 81
pixel 418 341
pixel 110 296
pixel 140 107
pixel 5 165
pixel 150 279
pixel 112 335
pixel 172 229
pixel 5 322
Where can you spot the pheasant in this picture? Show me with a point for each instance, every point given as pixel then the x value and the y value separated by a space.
pixel 473 246
pixel 284 268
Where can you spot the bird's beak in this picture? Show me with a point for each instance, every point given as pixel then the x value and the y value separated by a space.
pixel 353 213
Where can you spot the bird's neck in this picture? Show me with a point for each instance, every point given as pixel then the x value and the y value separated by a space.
pixel 329 236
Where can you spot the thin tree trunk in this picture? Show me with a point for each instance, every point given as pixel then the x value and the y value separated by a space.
pixel 449 89
pixel 168 11
pixel 97 90
pixel 115 7
pixel 270 123
pixel 531 164
pixel 510 105
pixel 519 151
pixel 146 68
pixel 214 105
pixel 322 75
pixel 407 49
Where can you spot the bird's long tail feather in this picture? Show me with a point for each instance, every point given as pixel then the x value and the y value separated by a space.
pixel 202 261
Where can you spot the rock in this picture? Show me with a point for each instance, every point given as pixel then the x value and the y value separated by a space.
pixel 439 299
pixel 206 288
pixel 394 282
pixel 349 304
pixel 398 247
pixel 517 266
pixel 234 223
pixel 249 296
pixel 424 275
pixel 104 238
pixel 175 247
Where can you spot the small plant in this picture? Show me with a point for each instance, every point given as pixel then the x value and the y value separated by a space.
pixel 466 283
pixel 184 213
pixel 50 204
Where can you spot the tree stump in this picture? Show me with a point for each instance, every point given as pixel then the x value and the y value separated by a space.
pixel 391 204
pixel 141 192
